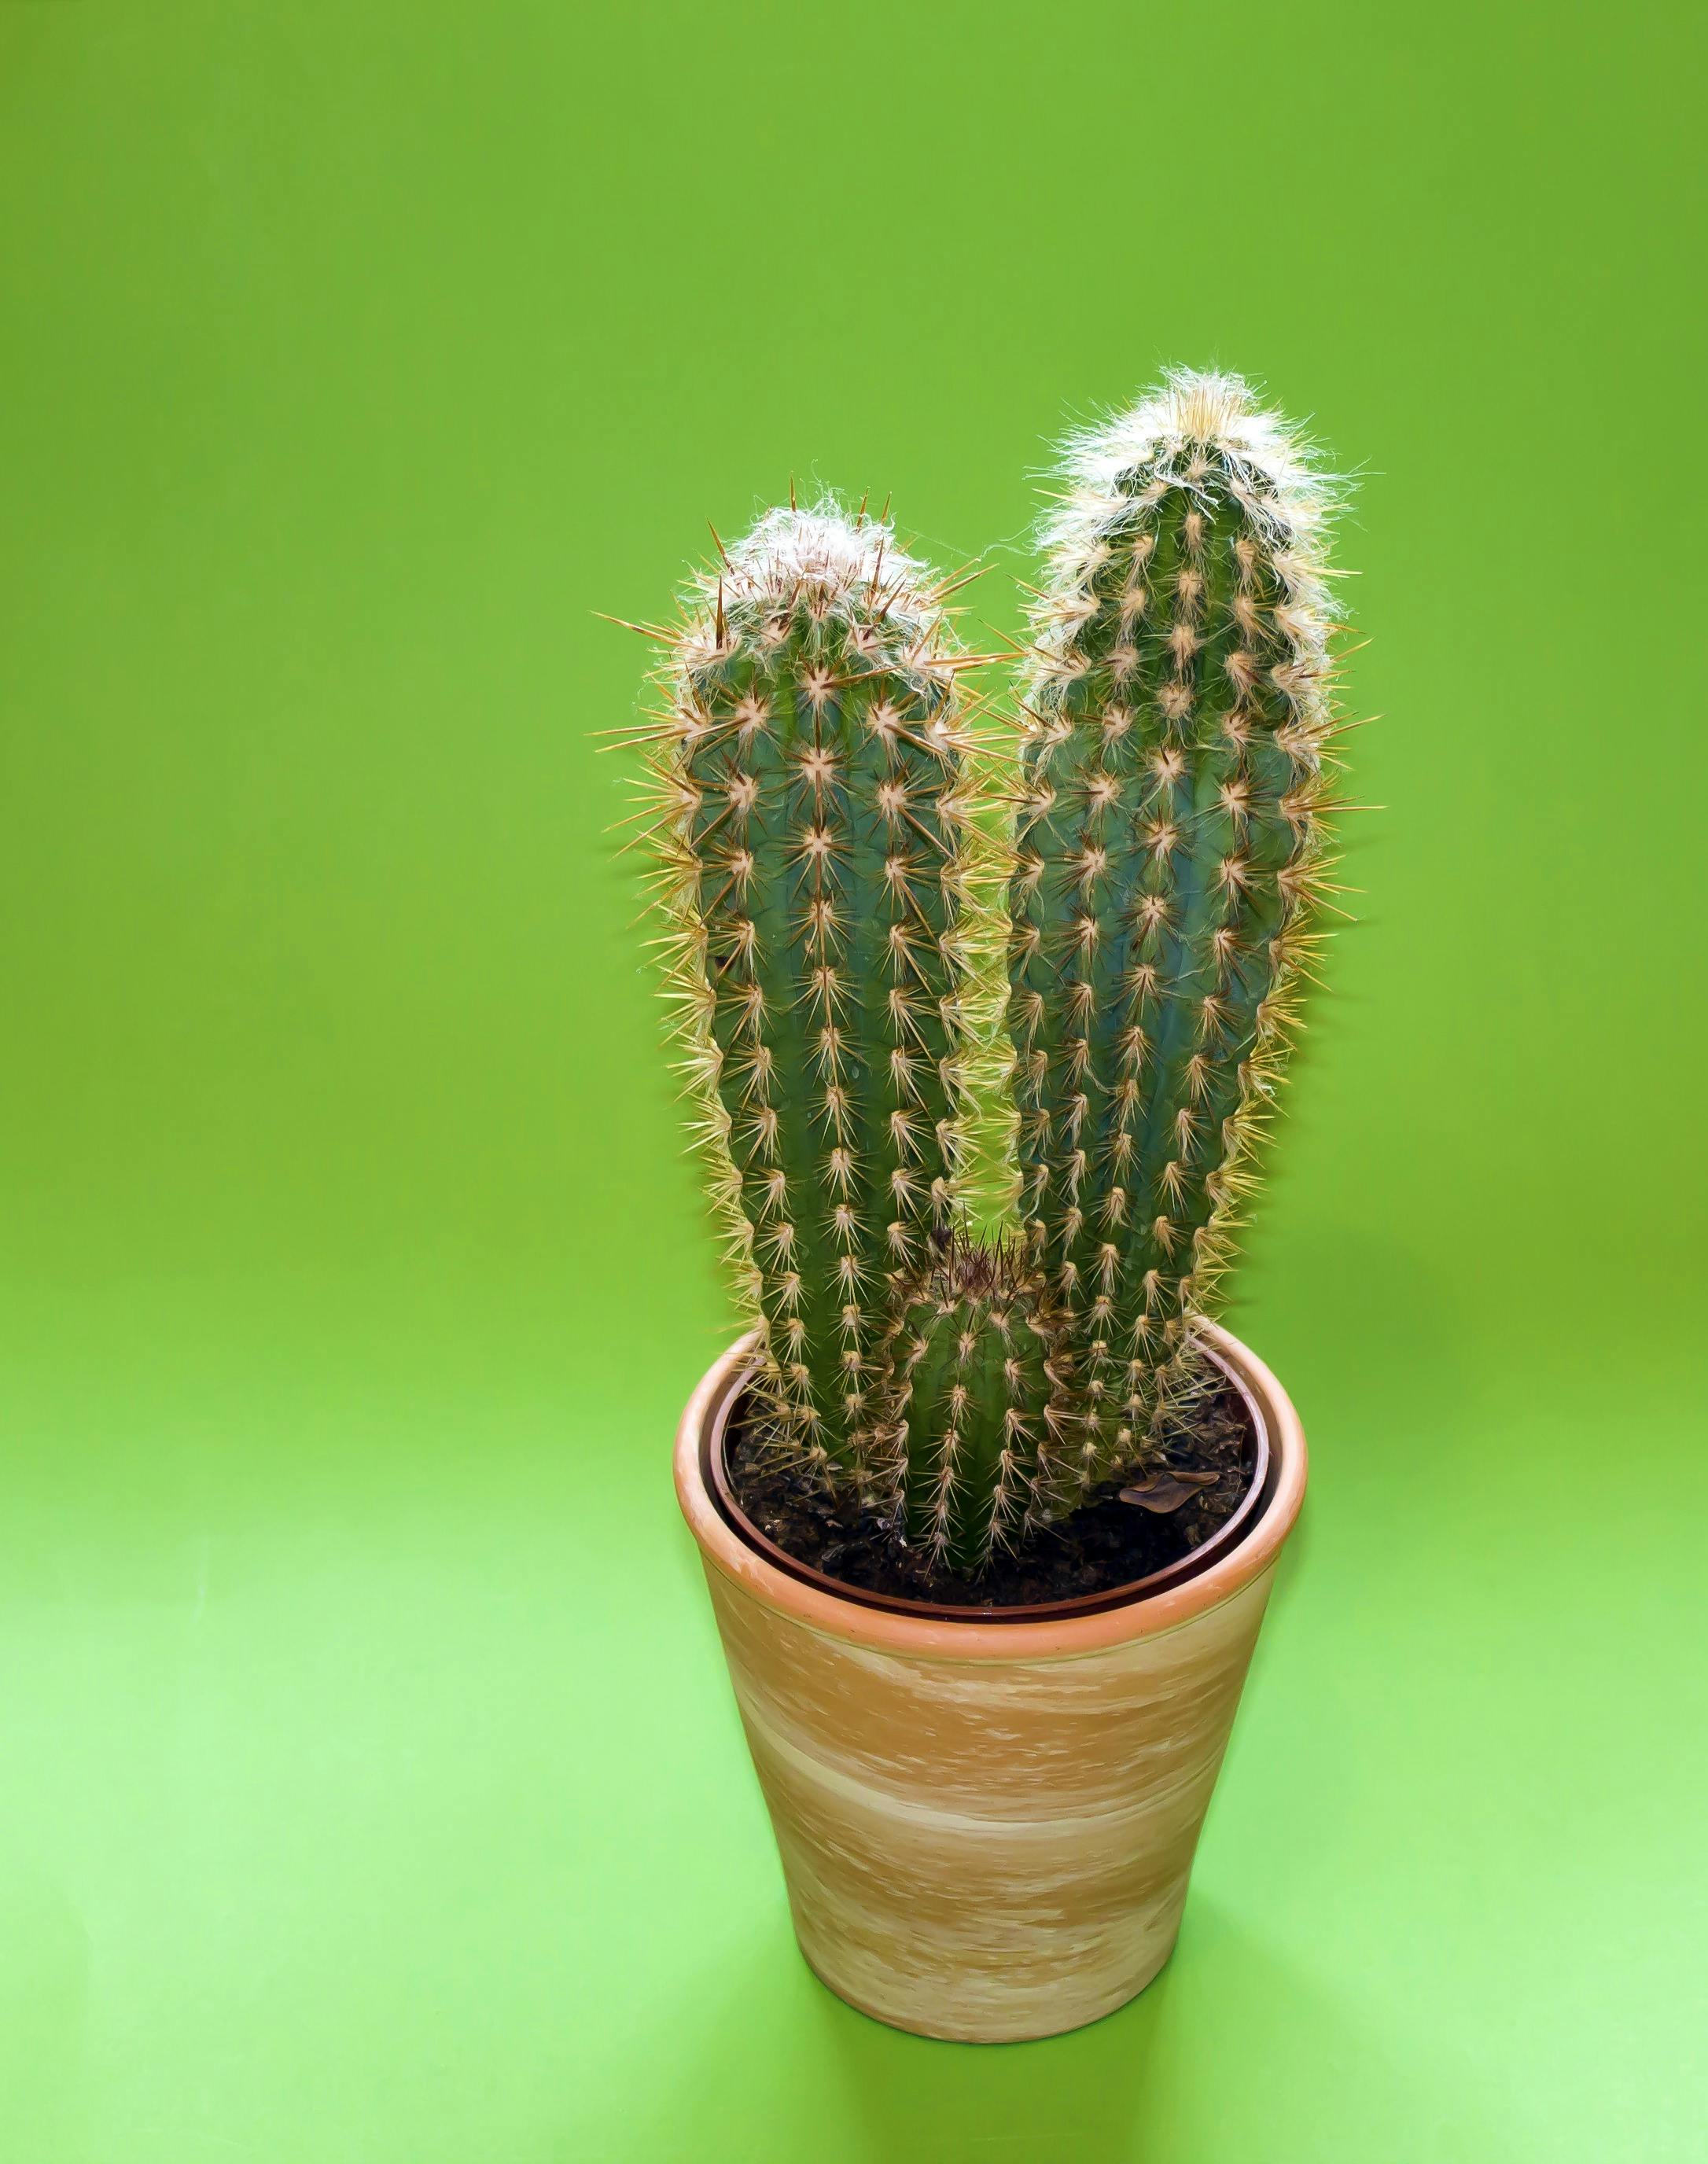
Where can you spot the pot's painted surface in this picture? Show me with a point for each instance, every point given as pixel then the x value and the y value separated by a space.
pixel 986 1829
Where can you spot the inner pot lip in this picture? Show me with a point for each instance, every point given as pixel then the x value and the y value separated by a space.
pixel 1260 1490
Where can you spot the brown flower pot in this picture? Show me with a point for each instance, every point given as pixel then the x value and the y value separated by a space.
pixel 986 1827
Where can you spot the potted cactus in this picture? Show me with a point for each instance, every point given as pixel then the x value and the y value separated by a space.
pixel 981 1036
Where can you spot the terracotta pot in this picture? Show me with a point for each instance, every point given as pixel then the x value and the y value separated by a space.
pixel 986 1827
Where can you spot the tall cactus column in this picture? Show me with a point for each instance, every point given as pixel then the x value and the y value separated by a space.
pixel 1170 848
pixel 810 761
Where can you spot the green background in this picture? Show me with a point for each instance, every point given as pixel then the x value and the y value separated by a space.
pixel 370 1792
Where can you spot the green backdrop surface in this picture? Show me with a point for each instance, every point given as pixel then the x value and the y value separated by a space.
pixel 369 1788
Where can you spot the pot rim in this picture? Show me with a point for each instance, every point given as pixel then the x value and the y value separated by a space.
pixel 1257 1493
pixel 944 1634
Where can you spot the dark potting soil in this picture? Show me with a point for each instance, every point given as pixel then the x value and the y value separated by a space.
pixel 1105 1543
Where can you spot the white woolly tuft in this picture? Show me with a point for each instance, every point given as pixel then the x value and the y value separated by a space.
pixel 827 556
pixel 821 547
pixel 1266 461
pixel 1193 411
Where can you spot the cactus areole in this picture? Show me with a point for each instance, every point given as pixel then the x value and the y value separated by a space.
pixel 899 947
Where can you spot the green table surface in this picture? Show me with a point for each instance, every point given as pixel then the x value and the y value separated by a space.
pixel 370 1791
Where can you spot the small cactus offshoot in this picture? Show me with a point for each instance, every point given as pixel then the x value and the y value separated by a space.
pixel 977 1427
pixel 826 812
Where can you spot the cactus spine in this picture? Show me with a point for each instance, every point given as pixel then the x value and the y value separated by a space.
pixel 809 760
pixel 1169 850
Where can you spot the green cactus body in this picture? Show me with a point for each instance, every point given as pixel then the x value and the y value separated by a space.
pixel 974 1416
pixel 1170 847
pixel 834 864
pixel 811 761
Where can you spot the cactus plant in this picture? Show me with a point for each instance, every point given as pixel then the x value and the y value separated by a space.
pixel 824 810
